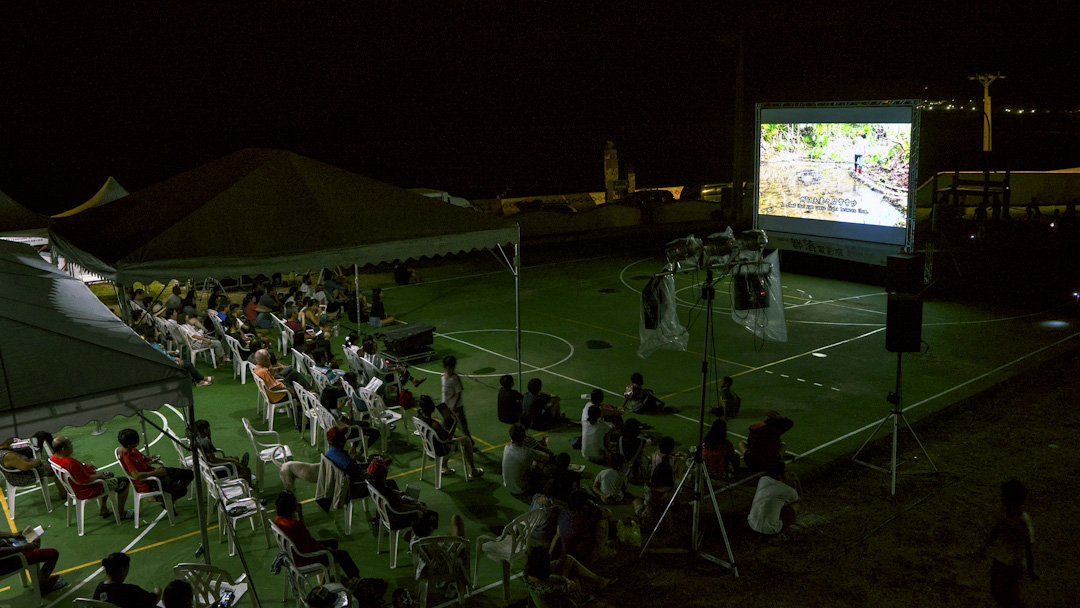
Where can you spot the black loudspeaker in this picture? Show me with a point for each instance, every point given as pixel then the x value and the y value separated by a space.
pixel 903 324
pixel 904 273
pixel 750 291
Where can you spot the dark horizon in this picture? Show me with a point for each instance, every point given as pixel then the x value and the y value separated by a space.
pixel 480 100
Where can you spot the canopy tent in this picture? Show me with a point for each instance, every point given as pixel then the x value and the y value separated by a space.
pixel 16 220
pixel 108 193
pixel 263 211
pixel 65 359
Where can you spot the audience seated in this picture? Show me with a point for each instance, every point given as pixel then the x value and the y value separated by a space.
pixel 210 452
pixel 665 452
pixel 115 591
pixel 278 380
pixel 19 466
pixel 380 363
pixel 290 519
pixel 345 460
pixel 763 447
pixel 174 481
pixel 610 484
pixel 519 470
pixel 377 313
pixel 509 401
pixel 608 412
pixel 562 586
pixel 34 554
pixel 235 331
pixel 174 302
pixel 416 513
pixel 775 503
pixel 150 334
pixel 541 444
pixel 196 335
pixel 632 447
pixel 719 456
pixel 447 442
pixel 545 408
pixel 641 400
pixel 582 528
pixel 82 474
pixel 658 493
pixel 178 594
pixel 594 435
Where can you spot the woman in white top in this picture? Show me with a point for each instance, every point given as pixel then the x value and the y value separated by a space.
pixel 451 395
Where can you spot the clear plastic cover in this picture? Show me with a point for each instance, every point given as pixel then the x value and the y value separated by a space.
pixel 758 280
pixel 660 326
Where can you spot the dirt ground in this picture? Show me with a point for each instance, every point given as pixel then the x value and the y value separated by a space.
pixel 863 547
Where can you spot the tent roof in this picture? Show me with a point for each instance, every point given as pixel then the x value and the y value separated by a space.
pixel 16 220
pixel 65 359
pixel 108 193
pixel 262 211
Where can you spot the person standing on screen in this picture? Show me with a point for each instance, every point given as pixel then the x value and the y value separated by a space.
pixel 860 151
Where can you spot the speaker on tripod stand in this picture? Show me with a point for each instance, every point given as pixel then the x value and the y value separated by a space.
pixel 903 318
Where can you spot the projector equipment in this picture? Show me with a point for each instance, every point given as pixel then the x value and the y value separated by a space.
pixel 752 240
pixel 750 286
pixel 904 273
pixel 652 299
pixel 406 343
pixel 903 323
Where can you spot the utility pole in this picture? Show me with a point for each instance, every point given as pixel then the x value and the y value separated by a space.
pixel 985 80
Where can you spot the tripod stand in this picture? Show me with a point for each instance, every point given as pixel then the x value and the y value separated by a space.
pixel 702 482
pixel 896 415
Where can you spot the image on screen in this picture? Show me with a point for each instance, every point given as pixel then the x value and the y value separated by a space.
pixel 854 173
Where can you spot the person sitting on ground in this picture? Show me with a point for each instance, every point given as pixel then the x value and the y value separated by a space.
pixel 173 481
pixel 561 588
pixel 509 401
pixel 641 400
pixel 115 591
pixel 594 436
pixel 446 442
pixel 545 408
pixel 658 493
pixel 632 447
pixel 178 594
pixel 775 503
pixel 1010 546
pixel 34 554
pixel 730 403
pixel 409 512
pixel 719 456
pixel 525 420
pixel 196 335
pixel 290 520
pixel 19 466
pixel 665 452
pixel 209 451
pixel 377 314
pixel 82 476
pixel 582 527
pixel 608 412
pixel 150 334
pixel 610 484
pixel 567 479
pixel 763 446
pixel 403 274
pixel 518 463
pixel 174 302
pixel 543 501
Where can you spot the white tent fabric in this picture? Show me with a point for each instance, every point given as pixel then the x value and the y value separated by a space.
pixel 111 191
pixel 261 211
pixel 65 359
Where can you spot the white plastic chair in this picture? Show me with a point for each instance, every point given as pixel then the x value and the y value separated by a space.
pixel 441 559
pixel 285 335
pixel 65 479
pixel 41 481
pixel 209 582
pixel 356 363
pixel 382 505
pixel 380 416
pixel 239 365
pixel 139 496
pixel 302 364
pixel 218 328
pixel 266 451
pixel 508 547
pixel 229 495
pixel 430 440
pixel 268 408
pixel 370 371
pixel 31 578
pixel 325 572
pixel 309 410
pixel 196 347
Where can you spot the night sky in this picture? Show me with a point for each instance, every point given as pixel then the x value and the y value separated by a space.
pixel 485 98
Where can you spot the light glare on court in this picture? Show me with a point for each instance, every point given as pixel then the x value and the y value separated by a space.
pixel 822 355
pixel 1055 324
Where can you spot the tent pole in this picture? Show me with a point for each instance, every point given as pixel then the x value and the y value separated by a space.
pixel 517 302
pixel 356 287
pixel 200 492
pixel 122 300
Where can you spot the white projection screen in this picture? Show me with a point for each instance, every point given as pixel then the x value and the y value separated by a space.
pixel 837 178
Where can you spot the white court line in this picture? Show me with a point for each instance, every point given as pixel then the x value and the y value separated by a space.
pixel 96 573
pixel 500 271
pixel 944 392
